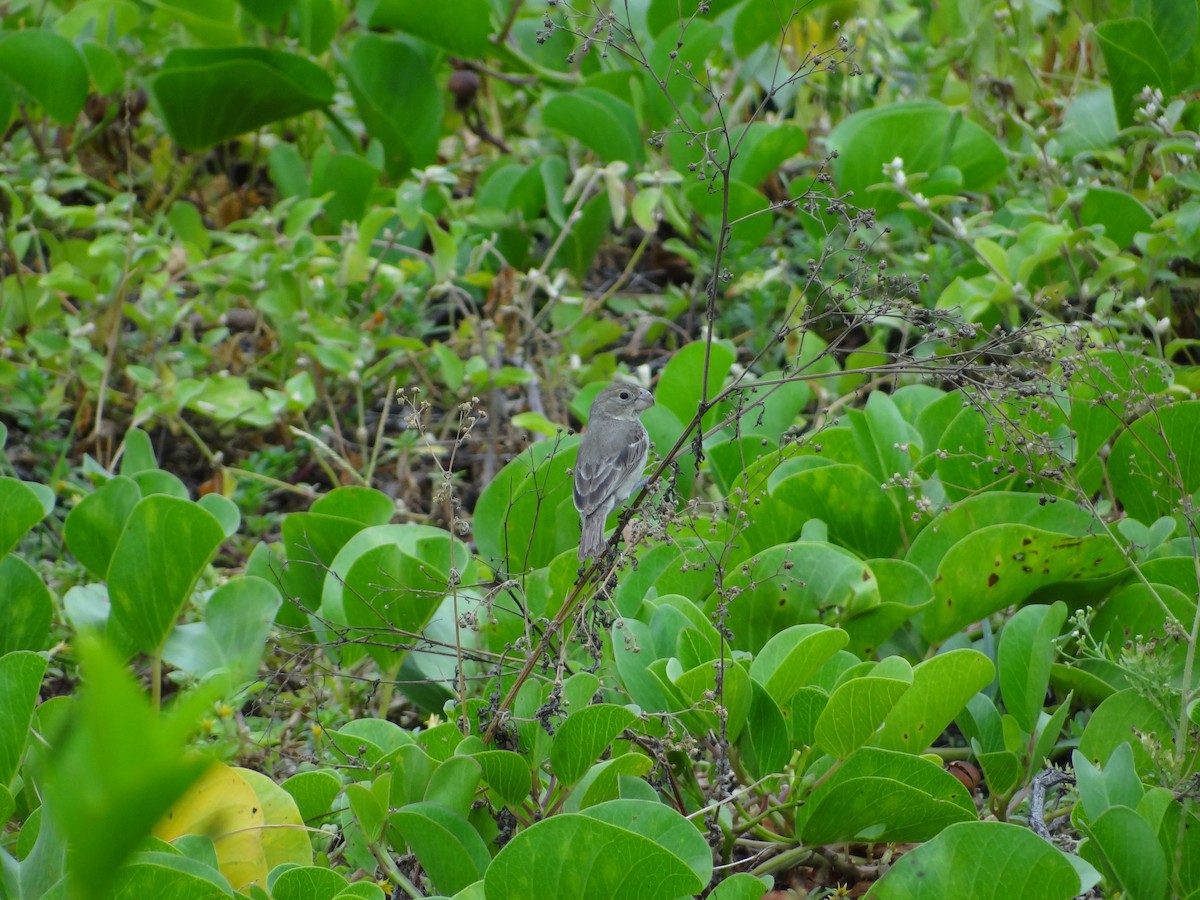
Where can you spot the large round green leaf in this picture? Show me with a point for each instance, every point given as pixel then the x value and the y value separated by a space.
pixel 26 606
pixel 598 120
pixel 1155 463
pixel 983 861
pixel 584 736
pixel 624 848
pixel 459 26
pixel 1135 59
pixel 20 678
pixel 925 135
pixel 794 584
pixel 166 544
pixel 49 68
pixel 1025 655
pixel 855 711
pixel 852 503
pixel 387 582
pixel 941 687
pixel 398 98
pixel 22 510
pixel 1000 565
pixel 526 517
pixel 209 96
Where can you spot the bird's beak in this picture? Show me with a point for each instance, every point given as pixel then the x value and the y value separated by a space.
pixel 645 400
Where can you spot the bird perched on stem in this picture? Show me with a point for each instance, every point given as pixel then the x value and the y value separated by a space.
pixel 611 458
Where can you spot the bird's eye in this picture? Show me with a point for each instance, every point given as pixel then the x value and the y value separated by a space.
pixel 624 395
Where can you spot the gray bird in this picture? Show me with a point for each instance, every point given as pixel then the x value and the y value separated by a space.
pixel 611 458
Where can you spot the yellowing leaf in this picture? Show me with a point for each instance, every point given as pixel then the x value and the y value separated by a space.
pixel 223 806
pixel 285 839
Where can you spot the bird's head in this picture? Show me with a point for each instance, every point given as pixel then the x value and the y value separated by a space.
pixel 622 401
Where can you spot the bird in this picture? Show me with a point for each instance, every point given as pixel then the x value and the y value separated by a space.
pixel 611 458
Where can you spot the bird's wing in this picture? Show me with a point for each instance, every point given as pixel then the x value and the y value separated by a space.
pixel 606 463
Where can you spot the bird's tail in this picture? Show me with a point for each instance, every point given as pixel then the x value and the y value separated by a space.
pixel 591 542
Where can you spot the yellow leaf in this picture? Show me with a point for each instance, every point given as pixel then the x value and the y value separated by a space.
pixel 225 808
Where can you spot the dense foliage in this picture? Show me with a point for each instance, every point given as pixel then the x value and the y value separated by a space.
pixel 302 302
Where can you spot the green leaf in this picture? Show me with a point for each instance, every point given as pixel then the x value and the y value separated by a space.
pixel 307 883
pixel 22 510
pixel 665 826
pixel 408 121
pixel 794 584
pixel 1115 722
pixel 790 658
pixel 584 736
pixel 170 875
pixel 450 850
pixel 598 120
pixel 696 692
pixel 224 510
pixel 314 792
pixel 412 769
pixel 741 886
pixel 1100 375
pixel 440 741
pixel 1120 214
pixel 605 781
pixel 1024 658
pixel 526 516
pixel 312 542
pixel 1003 771
pixel 759 23
pixel 681 568
pixel 661 14
pixel 1005 564
pixel 367 810
pixel 903 590
pixel 139 454
pixel 856 709
pixel 49 68
pixel 969 463
pixel 1089 123
pixel 765 742
pixel 649 851
pixel 1179 833
pixel 397 576
pixel 1046 733
pixel 1175 23
pixel 941 687
pixel 764 146
pixel 227 398
pixel 1117 785
pixel 20 679
pixel 1155 462
pixel 26 607
pixel 1135 59
pixel 681 383
pixel 461 27
pixel 984 861
pixel 237 620
pixel 1123 846
pixel 881 795
pixel 453 783
pixel 166 545
pixel 925 135
pixel 507 774
pixel 994 508
pixel 209 96
pixel 350 179
pixel 853 504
